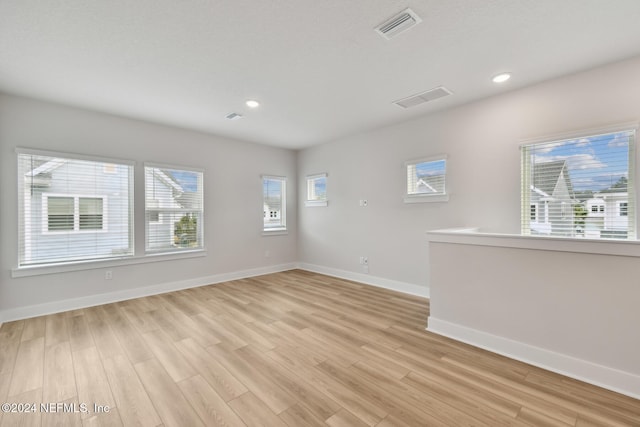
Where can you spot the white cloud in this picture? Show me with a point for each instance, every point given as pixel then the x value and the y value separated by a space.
pixel 575 161
pixel 620 140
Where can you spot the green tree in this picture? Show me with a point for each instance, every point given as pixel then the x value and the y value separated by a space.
pixel 579 214
pixel 186 231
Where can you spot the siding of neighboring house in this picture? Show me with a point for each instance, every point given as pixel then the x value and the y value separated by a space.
pixel 609 223
pixel 42 244
pixel 160 196
pixel 553 199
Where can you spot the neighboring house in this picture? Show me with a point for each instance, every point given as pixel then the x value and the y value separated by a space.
pixel 607 215
pixel 433 184
pixel 272 212
pixel 62 220
pixel 164 196
pixel 552 200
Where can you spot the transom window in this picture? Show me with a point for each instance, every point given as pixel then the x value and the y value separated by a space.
pixel 580 187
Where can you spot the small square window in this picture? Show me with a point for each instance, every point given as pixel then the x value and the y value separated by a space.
pixel 426 180
pixel 316 190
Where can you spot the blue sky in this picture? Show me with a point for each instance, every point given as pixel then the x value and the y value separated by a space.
pixel 188 180
pixel 431 168
pixel 595 163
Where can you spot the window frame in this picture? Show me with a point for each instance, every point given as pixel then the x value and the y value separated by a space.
pixel 26 265
pixel 282 228
pixel 413 197
pixel 585 133
pixel 162 220
pixel 310 181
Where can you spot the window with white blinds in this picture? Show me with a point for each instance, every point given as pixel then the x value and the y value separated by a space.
pixel 580 187
pixel 426 180
pixel 274 190
pixel 174 209
pixel 73 208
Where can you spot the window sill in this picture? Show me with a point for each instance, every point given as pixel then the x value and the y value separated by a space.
pixel 275 232
pixel 471 236
pixel 316 203
pixel 426 198
pixel 37 270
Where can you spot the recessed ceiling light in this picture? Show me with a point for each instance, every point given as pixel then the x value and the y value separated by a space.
pixel 252 103
pixel 502 77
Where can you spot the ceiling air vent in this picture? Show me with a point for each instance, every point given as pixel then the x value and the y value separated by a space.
pixel 421 98
pixel 398 24
pixel 233 116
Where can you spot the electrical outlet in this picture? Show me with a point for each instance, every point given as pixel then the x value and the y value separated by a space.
pixel 365 260
pixel 364 203
pixel 108 275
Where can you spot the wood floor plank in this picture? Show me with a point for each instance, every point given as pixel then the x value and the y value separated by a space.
pixel 65 416
pixel 223 382
pixel 91 380
pixel 33 328
pixel 273 395
pixel 29 367
pixel 33 418
pixel 59 377
pixel 106 419
pixel 173 408
pixel 79 333
pixel 56 330
pixel 133 403
pixel 168 355
pixel 254 412
pixel 208 404
pixel 344 418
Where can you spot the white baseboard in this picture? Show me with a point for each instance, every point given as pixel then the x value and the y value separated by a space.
pixel 92 300
pixel 592 373
pixel 380 282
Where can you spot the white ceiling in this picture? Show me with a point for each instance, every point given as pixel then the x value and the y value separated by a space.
pixel 317 66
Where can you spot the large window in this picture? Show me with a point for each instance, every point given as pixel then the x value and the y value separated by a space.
pixel 316 190
pixel 73 208
pixel 426 180
pixel 173 209
pixel 580 187
pixel 274 190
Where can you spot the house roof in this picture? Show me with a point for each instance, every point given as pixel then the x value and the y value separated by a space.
pixel 546 176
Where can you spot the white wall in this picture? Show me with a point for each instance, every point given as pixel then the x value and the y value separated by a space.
pixel 482 141
pixel 570 312
pixel 233 203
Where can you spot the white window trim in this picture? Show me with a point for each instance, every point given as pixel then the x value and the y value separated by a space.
pixel 315 202
pixel 274 231
pixel 76 214
pixel 426 197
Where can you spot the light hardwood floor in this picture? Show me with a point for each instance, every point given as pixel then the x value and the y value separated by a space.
pixel 289 349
